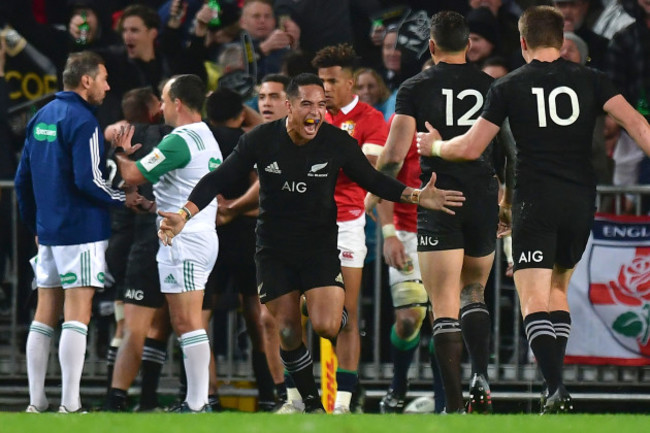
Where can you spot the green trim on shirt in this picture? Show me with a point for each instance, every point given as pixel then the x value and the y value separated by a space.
pixel 172 153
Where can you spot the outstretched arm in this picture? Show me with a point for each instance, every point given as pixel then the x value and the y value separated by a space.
pixel 634 123
pixel 466 147
pixel 390 160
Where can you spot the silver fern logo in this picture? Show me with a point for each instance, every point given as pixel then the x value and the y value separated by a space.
pixel 317 167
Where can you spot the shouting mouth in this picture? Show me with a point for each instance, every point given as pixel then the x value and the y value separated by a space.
pixel 311 125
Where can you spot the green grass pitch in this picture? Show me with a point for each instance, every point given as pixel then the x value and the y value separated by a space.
pixel 268 423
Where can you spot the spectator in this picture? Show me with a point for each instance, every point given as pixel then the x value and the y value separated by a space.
pixel 319 22
pixel 575 13
pixel 391 58
pixel 270 42
pixel 506 23
pixel 56 43
pixel 612 19
pixel 575 50
pixel 495 67
pixel 628 64
pixel 483 35
pixel 372 90
pixel 136 62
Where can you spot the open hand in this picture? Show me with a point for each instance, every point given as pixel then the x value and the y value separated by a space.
pixel 425 139
pixel 123 139
pixel 440 199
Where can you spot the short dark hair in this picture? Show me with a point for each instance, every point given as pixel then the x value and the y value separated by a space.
pixel 190 89
pixel 78 65
pixel 276 78
pixel 449 31
pixel 223 104
pixel 342 55
pixel 135 104
pixel 149 16
pixel 496 61
pixel 304 79
pixel 542 27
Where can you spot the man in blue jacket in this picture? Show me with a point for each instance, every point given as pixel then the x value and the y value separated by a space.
pixel 64 200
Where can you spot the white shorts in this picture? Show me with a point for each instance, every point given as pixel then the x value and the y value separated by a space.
pixel 352 242
pixel 186 264
pixel 71 266
pixel 412 273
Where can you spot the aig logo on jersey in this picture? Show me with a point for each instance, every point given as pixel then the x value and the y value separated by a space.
pixel 348 126
pixel 313 171
pixel 134 294
pixel 299 187
pixel 427 241
pixel 531 256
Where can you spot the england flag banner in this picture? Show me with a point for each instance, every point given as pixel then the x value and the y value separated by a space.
pixel 609 295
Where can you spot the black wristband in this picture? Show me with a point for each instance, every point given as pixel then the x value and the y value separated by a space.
pixel 119 149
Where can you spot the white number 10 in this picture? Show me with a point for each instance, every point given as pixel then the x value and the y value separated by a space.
pixel 552 107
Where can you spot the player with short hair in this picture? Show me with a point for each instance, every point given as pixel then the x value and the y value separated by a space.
pixel 455 252
pixel 174 167
pixel 365 124
pixel 64 199
pixel 131 260
pixel 272 96
pixel 552 105
pixel 298 160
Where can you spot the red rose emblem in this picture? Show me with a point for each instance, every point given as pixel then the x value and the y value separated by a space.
pixel 633 284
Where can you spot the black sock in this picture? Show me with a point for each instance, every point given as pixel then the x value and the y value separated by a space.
pixel 438 387
pixel 448 341
pixel 111 355
pixel 154 354
pixel 300 366
pixel 402 352
pixel 475 324
pixel 281 391
pixel 117 400
pixel 263 377
pixel 541 338
pixel 561 321
pixel 346 380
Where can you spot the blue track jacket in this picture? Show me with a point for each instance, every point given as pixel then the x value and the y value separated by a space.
pixel 62 195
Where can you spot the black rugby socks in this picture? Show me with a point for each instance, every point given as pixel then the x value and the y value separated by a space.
pixel 448 341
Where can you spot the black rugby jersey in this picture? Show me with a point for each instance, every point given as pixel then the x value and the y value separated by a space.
pixel 297 207
pixel 450 97
pixel 552 108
